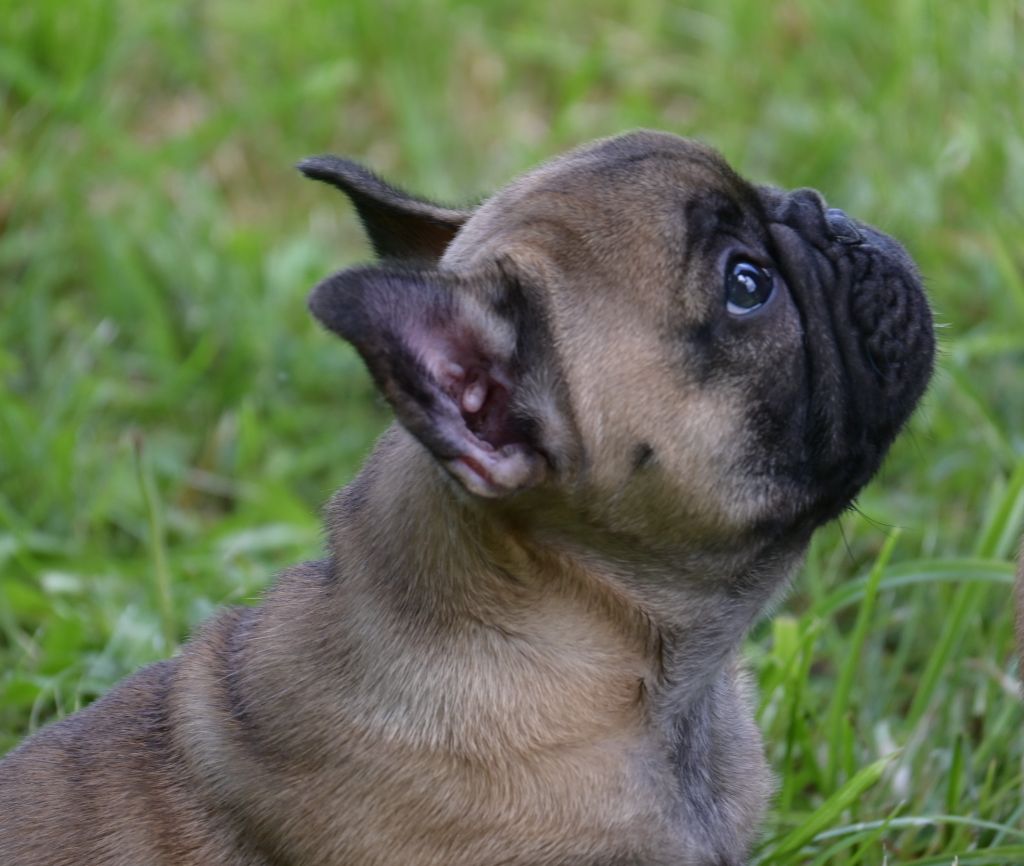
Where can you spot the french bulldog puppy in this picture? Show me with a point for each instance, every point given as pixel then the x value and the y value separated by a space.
pixel 628 388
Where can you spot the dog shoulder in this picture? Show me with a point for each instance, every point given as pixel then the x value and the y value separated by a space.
pixel 58 788
pixel 116 782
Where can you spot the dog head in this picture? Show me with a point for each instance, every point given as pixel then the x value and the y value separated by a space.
pixel 635 336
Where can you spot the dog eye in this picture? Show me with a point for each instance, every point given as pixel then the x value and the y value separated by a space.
pixel 747 287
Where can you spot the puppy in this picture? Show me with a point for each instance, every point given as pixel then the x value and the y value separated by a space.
pixel 628 388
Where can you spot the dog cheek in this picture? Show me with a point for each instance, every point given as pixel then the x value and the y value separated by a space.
pixel 680 479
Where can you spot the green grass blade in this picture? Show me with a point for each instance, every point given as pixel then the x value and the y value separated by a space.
pixel 829 811
pixel 840 706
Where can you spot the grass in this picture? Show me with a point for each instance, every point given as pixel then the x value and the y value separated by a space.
pixel 171 421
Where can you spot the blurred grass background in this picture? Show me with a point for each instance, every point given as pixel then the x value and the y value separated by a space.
pixel 171 419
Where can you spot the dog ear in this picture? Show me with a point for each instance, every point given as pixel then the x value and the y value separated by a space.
pixel 399 225
pixel 445 352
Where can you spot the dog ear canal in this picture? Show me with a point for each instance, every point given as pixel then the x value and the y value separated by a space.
pixel 442 350
pixel 400 226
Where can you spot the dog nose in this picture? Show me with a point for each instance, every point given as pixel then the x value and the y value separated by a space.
pixel 842 227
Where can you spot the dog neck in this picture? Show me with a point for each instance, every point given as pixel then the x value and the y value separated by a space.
pixel 529 636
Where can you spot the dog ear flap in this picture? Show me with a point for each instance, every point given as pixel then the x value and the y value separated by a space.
pixel 399 225
pixel 443 351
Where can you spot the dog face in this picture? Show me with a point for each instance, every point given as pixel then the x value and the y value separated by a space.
pixel 636 338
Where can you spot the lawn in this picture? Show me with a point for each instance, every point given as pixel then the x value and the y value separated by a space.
pixel 171 420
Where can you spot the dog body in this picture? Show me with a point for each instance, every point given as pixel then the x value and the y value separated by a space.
pixel 628 392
